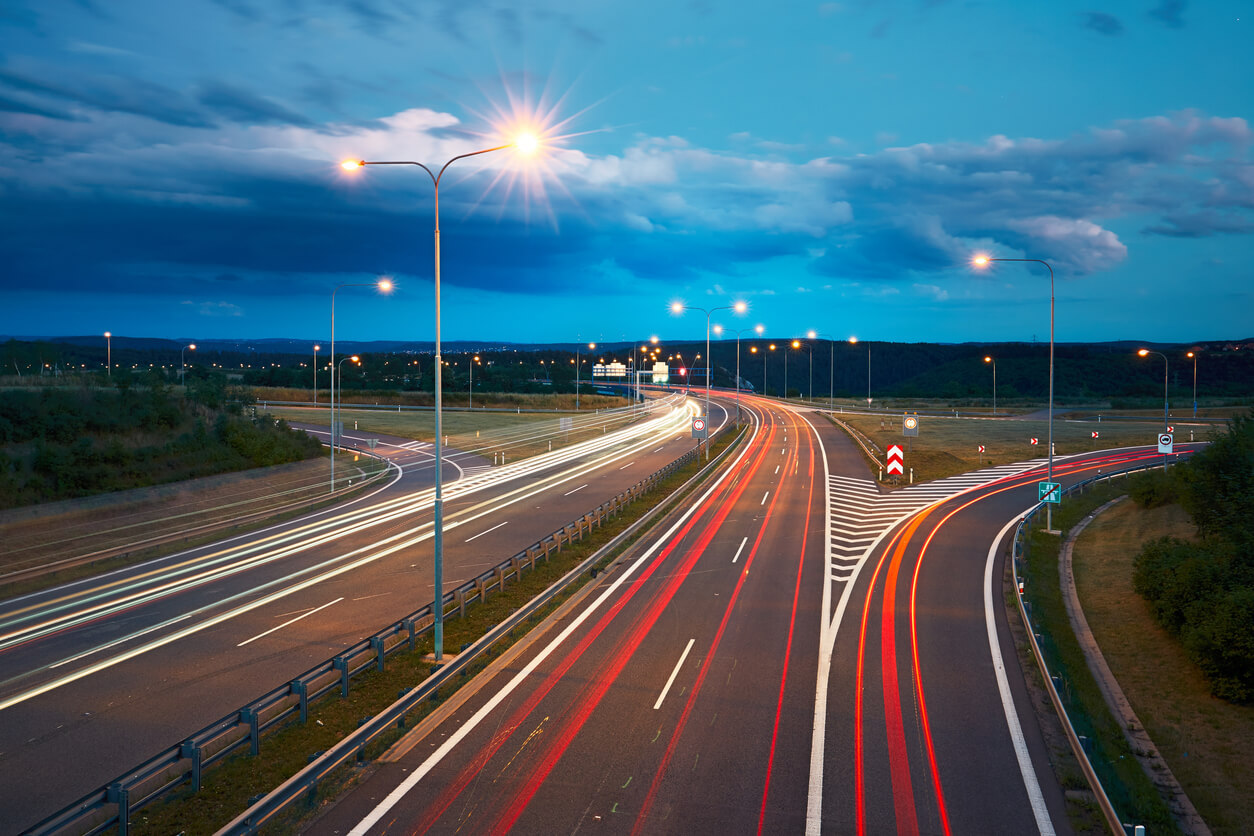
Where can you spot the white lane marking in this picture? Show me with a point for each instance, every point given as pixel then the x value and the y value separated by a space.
pixel 658 450
pixel 1030 782
pixel 764 496
pixel 500 696
pixel 290 621
pixel 674 674
pixel 739 550
pixel 777 469
pixel 782 450
pixel 576 490
pixel 493 528
pixel 368 597
pixel 117 642
pixel 624 467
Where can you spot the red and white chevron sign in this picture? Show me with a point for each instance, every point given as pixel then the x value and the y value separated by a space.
pixel 1095 433
pixel 896 461
pixel 981 448
pixel 1032 441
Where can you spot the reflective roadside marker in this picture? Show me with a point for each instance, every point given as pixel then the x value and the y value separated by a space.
pixel 981 448
pixel 1095 433
pixel 1032 441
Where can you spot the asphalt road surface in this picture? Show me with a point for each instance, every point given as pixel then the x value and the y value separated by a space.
pixel 99 675
pixel 796 650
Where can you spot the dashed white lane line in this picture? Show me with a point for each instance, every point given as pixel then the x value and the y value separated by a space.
pixel 658 450
pixel 674 674
pixel 739 550
pixel 777 469
pixel 493 528
pixel 289 621
pixel 576 490
pixel 624 467
pixel 764 496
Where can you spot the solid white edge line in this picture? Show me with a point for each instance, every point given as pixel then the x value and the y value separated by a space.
pixel 739 550
pixel 1039 810
pixel 488 531
pixel 667 687
pixel 457 736
pixel 289 621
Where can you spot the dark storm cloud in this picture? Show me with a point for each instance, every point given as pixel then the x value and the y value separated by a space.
pixel 1170 13
pixel 117 94
pixel 240 105
pixel 1103 23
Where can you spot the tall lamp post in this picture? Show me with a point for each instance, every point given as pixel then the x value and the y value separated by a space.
pixel 679 307
pixel 1145 352
pixel 336 374
pixel 754 350
pixel 473 360
pixel 983 261
pixel 798 344
pixel 1193 355
pixel 183 362
pixel 758 329
pixel 831 368
pixel 317 348
pixel 383 286
pixel 109 363
pixel 993 360
pixel 526 144
pixel 591 347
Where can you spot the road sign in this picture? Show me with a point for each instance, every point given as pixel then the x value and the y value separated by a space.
pixel 698 428
pixel 1049 492
pixel 1031 441
pixel 910 425
pixel 1165 442
pixel 1095 433
pixel 896 461
pixel 981 448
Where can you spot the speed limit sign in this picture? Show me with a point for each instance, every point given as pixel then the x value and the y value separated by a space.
pixel 698 428
pixel 1164 442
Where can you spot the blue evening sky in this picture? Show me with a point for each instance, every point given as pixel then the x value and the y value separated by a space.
pixel 169 168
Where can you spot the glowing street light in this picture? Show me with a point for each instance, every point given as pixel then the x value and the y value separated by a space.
pixel 109 361
pixel 183 363
pixel 383 286
pixel 472 362
pixel 1193 356
pixel 993 360
pixel 1145 352
pixel 678 308
pixel 316 349
pixel 981 260
pixel 591 347
pixel 831 367
pixel 526 143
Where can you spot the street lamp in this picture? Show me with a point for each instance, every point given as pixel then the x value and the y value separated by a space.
pixel 993 360
pixel 678 308
pixel 1192 354
pixel 183 363
pixel 983 261
pixel 383 286
pixel 1144 352
pixel 109 362
pixel 831 368
pixel 758 329
pixel 472 362
pixel 317 348
pixel 591 347
pixel 526 143
pixel 797 344
pixel 854 341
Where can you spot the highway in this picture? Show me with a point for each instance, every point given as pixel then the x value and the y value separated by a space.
pixel 796 650
pixel 98 675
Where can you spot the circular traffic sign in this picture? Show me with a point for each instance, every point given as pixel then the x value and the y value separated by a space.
pixel 1164 440
pixel 911 422
pixel 698 424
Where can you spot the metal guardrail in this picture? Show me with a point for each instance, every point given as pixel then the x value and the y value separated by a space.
pixel 184 763
pixel 1019 549
pixel 868 446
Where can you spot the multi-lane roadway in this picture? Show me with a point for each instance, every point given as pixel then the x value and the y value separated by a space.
pixel 796 650
pixel 97 676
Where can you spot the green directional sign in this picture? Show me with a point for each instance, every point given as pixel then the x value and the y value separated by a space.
pixel 1049 492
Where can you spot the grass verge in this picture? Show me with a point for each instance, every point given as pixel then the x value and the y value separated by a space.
pixel 1204 740
pixel 1131 792
pixel 950 446
pixel 228 788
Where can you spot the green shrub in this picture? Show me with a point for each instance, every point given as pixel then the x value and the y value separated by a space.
pixel 1153 488
pixel 1220 638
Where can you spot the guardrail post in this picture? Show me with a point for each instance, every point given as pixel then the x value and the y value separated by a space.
pixel 191 751
pixel 340 663
pixel 301 690
pixel 408 624
pixel 376 642
pixel 459 596
pixel 118 794
pixel 249 716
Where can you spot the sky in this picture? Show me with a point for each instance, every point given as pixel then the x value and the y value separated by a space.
pixel 171 169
